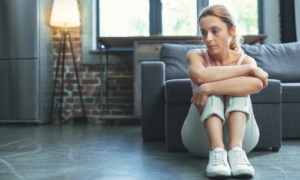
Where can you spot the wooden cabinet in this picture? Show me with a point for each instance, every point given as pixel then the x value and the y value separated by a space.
pixel 148 50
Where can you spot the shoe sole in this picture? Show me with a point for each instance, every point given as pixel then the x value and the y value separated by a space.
pixel 219 174
pixel 245 174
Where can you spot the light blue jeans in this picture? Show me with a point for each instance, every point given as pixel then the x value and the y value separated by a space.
pixel 193 133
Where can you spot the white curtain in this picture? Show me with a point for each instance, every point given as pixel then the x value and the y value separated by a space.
pixel 297 19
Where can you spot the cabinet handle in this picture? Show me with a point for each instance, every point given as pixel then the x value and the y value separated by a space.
pixel 157 47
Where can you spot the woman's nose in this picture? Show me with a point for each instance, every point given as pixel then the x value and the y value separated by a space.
pixel 209 36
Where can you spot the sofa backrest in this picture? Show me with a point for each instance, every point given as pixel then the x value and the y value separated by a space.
pixel 280 61
pixel 174 56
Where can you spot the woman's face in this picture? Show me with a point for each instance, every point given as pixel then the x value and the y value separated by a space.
pixel 215 34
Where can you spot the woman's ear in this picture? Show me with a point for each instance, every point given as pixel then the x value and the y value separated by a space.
pixel 232 30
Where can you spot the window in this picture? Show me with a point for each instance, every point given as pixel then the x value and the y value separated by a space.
pixel 146 17
pixel 167 17
pixel 124 18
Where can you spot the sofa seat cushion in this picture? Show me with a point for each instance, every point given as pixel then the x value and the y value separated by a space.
pixel 180 91
pixel 290 92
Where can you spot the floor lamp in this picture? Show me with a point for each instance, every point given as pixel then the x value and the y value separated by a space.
pixel 65 14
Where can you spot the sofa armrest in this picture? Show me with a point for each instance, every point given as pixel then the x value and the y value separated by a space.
pixel 270 94
pixel 153 101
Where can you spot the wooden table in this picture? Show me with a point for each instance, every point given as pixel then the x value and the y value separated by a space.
pixel 128 41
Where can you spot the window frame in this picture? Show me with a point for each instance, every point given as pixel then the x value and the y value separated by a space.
pixel 156 19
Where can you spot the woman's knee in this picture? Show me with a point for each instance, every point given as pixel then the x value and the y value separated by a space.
pixel 240 97
pixel 238 103
pixel 240 100
pixel 214 99
pixel 214 106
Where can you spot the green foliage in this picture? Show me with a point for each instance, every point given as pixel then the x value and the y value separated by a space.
pixel 179 17
pixel 140 28
pixel 247 15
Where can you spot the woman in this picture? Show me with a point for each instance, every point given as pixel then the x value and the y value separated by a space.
pixel 221 116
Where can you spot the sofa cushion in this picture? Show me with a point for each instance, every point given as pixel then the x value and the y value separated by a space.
pixel 290 92
pixel 174 56
pixel 280 61
pixel 180 91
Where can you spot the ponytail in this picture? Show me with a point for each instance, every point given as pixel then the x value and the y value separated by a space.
pixel 236 42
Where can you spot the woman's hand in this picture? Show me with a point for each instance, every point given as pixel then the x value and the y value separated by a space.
pixel 200 97
pixel 261 74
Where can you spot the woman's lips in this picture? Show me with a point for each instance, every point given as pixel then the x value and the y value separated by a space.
pixel 211 46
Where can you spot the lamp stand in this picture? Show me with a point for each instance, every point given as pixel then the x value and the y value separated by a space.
pixel 79 119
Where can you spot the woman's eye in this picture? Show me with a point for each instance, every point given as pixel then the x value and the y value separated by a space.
pixel 215 30
pixel 203 33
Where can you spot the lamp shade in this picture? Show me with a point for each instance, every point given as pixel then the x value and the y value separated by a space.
pixel 65 13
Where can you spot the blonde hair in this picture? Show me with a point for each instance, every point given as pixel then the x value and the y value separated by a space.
pixel 222 12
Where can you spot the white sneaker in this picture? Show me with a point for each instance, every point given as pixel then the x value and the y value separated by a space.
pixel 218 166
pixel 240 166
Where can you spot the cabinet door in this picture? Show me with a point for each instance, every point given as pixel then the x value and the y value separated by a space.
pixel 18 29
pixel 19 92
pixel 146 50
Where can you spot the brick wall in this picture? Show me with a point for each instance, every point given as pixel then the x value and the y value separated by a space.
pixel 120 90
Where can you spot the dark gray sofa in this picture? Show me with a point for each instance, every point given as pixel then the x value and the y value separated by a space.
pixel 166 94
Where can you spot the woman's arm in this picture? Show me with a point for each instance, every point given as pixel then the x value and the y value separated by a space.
pixel 213 74
pixel 237 86
pixel 199 74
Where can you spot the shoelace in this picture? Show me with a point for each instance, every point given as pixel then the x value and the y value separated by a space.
pixel 240 158
pixel 218 158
